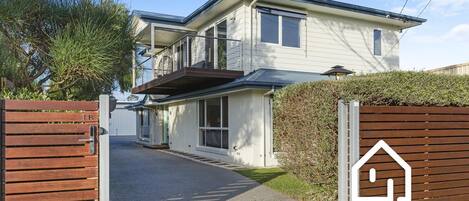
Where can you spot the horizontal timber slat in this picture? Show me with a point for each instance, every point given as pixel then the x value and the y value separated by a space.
pixel 413 110
pixel 413 125
pixel 50 163
pixel 37 117
pixel 51 105
pixel 417 141
pixel 49 186
pixel 35 152
pixel 412 118
pixel 46 128
pixel 42 175
pixel 31 140
pixel 54 196
pixel 413 133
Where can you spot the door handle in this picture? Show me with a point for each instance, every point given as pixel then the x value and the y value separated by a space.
pixel 91 140
pixel 86 140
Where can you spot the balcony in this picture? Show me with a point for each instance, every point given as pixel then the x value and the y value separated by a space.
pixel 194 62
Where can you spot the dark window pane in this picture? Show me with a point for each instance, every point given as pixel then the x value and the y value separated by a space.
pixel 213 112
pixel 141 117
pixel 224 138
pixel 213 138
pixel 221 31
pixel 290 32
pixel 269 28
pixel 201 113
pixel 202 137
pixel 377 42
pixel 225 111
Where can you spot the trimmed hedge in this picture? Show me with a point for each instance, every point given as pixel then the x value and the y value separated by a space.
pixel 305 116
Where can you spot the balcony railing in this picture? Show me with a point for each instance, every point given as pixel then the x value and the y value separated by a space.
pixel 199 52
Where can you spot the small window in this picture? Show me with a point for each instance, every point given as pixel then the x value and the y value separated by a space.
pixel 377 42
pixel 269 28
pixel 290 31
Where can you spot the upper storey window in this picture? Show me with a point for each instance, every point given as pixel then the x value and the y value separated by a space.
pixel 377 42
pixel 290 32
pixel 269 28
pixel 280 27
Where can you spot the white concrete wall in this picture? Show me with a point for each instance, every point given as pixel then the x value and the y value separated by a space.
pixel 246 129
pixel 122 122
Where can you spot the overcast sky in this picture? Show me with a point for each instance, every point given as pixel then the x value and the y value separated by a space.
pixel 443 40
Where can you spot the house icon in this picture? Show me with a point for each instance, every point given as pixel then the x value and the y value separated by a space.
pixel 355 181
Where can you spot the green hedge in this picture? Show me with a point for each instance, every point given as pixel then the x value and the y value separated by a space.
pixel 305 116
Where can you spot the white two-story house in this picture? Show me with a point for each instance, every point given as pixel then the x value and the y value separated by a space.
pixel 215 70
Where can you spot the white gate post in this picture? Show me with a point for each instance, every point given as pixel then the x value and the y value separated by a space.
pixel 354 136
pixel 104 147
pixel 343 151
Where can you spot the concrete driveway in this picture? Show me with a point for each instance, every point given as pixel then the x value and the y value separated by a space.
pixel 141 174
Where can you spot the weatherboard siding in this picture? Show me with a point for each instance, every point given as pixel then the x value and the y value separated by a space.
pixel 328 40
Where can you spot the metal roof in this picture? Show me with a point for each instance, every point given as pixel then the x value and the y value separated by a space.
pixel 261 78
pixel 326 3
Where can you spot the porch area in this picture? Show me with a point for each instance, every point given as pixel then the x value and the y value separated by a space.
pixel 181 60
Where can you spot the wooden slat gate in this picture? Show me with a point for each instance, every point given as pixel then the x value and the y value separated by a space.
pixel 49 150
pixel 434 141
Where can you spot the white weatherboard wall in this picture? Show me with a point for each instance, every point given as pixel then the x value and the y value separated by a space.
pixel 328 40
pixel 246 129
pixel 123 121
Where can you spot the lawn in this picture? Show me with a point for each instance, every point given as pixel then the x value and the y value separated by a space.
pixel 280 181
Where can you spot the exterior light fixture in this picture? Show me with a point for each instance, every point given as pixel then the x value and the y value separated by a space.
pixel 338 72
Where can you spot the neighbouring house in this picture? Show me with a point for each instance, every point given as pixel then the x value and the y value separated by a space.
pixel 458 69
pixel 215 70
pixel 123 121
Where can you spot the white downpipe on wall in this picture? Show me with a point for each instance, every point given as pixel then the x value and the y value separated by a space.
pixel 251 6
pixel 267 120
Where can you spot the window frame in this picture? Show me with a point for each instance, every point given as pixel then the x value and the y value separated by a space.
pixel 299 32
pixel 214 25
pixel 205 128
pixel 380 42
pixel 279 27
pixel 280 30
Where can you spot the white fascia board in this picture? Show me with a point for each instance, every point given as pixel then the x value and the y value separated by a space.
pixel 206 96
pixel 307 7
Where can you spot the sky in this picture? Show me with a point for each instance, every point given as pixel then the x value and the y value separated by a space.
pixel 443 40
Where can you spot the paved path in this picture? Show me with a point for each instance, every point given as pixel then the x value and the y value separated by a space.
pixel 141 174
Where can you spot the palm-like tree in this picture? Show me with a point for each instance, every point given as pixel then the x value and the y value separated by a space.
pixel 77 48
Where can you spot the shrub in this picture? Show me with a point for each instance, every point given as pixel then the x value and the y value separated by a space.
pixel 305 116
pixel 22 94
